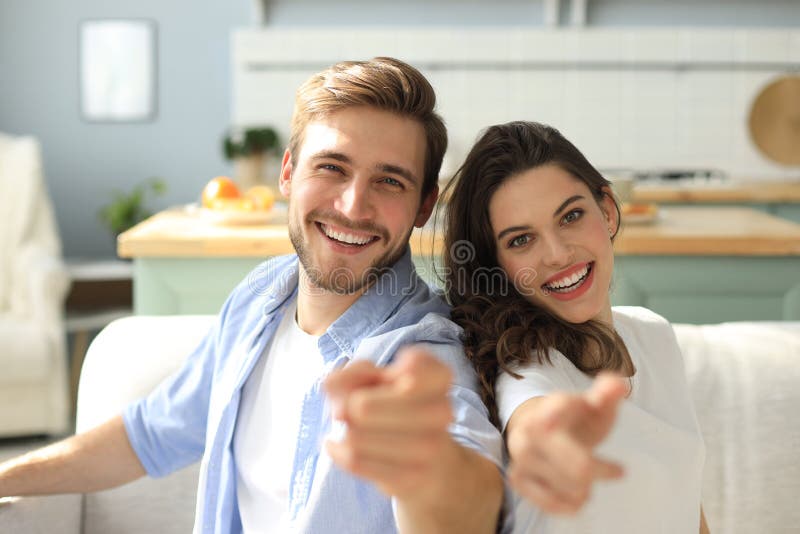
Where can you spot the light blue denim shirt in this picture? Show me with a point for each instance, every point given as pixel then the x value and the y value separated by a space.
pixel 192 414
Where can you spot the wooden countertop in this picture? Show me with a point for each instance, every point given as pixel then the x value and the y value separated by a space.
pixel 711 231
pixel 692 231
pixel 742 192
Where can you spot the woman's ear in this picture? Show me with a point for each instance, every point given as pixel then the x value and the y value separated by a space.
pixel 610 210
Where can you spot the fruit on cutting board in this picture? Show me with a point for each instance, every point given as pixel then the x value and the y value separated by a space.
pixel 263 197
pixel 639 209
pixel 222 194
pixel 219 188
pixel 232 204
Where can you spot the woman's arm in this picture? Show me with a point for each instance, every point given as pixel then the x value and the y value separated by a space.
pixel 551 441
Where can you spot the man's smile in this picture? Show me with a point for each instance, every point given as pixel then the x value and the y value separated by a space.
pixel 346 236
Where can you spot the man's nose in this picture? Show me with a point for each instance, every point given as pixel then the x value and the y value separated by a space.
pixel 354 200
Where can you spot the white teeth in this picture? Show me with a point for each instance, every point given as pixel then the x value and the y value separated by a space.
pixel 346 238
pixel 569 280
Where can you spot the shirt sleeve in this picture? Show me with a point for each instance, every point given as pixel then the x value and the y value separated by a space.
pixel 167 429
pixel 471 427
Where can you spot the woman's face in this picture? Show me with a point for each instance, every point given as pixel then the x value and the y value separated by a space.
pixel 554 242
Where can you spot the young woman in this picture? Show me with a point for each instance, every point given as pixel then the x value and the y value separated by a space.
pixel 529 264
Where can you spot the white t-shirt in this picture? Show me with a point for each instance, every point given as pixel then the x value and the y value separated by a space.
pixel 656 437
pixel 268 424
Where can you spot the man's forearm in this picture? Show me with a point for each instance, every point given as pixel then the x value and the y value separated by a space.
pixel 465 496
pixel 98 459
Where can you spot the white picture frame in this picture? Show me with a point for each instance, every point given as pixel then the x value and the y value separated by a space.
pixel 118 69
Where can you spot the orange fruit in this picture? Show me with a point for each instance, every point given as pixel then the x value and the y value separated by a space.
pixel 263 197
pixel 219 188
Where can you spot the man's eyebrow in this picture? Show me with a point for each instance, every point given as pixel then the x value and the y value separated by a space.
pixel 511 229
pixel 566 203
pixel 401 171
pixel 331 154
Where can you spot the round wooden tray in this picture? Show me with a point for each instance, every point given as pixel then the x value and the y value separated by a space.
pixel 775 120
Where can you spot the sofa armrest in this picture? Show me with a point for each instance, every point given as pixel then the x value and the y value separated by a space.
pixel 35 515
pixel 129 357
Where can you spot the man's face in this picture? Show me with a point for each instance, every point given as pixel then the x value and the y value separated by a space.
pixel 355 195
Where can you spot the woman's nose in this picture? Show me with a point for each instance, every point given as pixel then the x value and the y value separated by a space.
pixel 557 252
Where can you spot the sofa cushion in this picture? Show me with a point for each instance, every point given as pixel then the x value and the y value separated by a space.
pixel 745 381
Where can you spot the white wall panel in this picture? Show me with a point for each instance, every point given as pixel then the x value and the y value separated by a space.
pixel 627 98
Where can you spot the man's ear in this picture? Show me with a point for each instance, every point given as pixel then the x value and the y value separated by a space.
pixel 285 181
pixel 426 207
pixel 610 210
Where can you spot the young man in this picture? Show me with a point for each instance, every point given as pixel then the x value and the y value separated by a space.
pixel 332 394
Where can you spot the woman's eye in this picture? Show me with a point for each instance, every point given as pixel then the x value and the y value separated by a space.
pixel 519 241
pixel 572 216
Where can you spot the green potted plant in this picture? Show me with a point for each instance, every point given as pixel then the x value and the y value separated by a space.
pixel 251 149
pixel 128 208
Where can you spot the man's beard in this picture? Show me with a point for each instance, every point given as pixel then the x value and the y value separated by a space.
pixel 341 279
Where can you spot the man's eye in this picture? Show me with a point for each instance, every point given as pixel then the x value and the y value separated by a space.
pixel 330 167
pixel 572 216
pixel 393 181
pixel 519 241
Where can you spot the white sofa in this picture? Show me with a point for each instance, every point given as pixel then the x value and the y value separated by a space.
pixel 744 377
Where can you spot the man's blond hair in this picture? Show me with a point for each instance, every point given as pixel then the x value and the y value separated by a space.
pixel 384 83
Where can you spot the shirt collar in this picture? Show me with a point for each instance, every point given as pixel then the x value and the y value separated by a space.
pixel 280 287
pixel 366 314
pixel 372 309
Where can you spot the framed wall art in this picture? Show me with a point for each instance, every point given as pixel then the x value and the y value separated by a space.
pixel 118 70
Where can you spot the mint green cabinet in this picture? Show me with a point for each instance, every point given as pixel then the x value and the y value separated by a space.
pixel 685 289
pixel 186 286
pixel 709 289
pixel 787 211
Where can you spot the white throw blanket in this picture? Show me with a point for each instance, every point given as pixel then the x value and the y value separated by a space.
pixel 744 377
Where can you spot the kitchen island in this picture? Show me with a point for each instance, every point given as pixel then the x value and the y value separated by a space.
pixel 692 264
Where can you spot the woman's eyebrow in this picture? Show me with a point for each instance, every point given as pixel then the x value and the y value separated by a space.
pixel 512 229
pixel 566 203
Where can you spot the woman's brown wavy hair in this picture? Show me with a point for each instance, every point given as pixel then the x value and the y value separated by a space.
pixel 502 329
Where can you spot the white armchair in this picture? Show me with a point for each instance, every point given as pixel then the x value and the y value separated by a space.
pixel 33 284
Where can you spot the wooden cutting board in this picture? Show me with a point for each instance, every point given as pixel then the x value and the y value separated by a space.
pixel 775 120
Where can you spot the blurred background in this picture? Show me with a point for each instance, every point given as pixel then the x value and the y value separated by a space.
pixel 84 162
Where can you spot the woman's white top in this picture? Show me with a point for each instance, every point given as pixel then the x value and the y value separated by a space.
pixel 656 437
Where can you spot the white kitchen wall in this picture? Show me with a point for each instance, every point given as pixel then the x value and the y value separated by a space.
pixel 638 98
